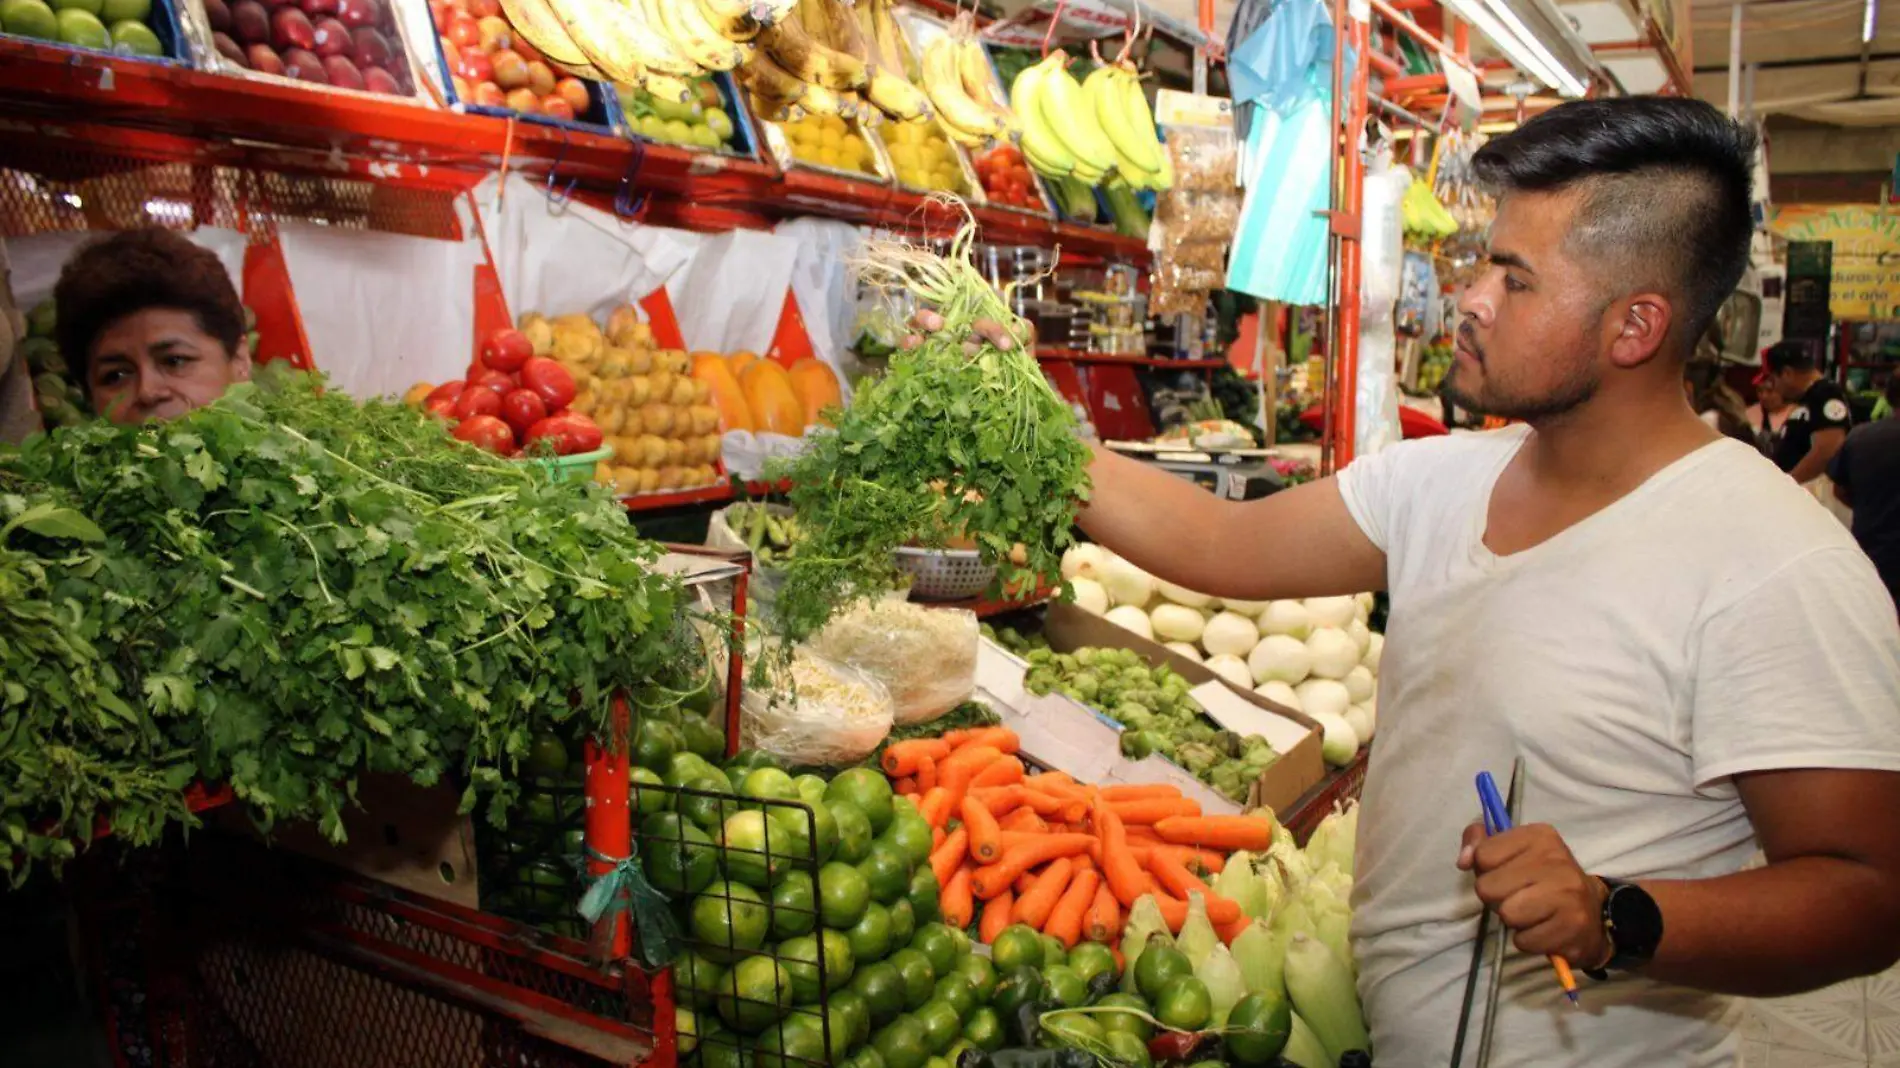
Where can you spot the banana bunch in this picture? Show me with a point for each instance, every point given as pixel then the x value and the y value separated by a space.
pixel 1086 130
pixel 1423 214
pixel 960 83
pixel 815 61
pixel 659 45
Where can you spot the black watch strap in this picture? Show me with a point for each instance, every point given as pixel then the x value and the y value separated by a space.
pixel 1634 925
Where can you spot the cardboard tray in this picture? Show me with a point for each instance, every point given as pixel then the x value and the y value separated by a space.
pixel 165 24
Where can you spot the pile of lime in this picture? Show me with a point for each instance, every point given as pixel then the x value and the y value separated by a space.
pixel 107 25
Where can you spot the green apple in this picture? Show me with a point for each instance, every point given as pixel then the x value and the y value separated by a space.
pixel 113 12
pixel 29 18
pixel 90 7
pixel 137 38
pixel 82 28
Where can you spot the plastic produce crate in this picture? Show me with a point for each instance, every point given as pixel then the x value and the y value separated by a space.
pixel 72 32
pixel 600 115
pixel 252 39
pixel 679 124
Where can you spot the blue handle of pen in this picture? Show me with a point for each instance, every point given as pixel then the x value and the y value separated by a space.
pixel 1497 815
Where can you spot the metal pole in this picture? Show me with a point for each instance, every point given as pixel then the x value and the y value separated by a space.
pixel 1735 60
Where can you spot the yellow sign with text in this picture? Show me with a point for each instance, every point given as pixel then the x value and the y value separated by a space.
pixel 1865 284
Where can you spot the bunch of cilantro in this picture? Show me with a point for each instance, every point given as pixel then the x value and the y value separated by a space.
pixel 960 438
pixel 286 589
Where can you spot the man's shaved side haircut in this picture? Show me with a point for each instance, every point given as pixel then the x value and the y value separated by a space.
pixel 1666 187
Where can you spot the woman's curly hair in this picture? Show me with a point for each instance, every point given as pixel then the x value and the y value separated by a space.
pixel 133 270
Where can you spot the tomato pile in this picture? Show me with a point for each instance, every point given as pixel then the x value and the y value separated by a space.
pixel 1007 179
pixel 512 399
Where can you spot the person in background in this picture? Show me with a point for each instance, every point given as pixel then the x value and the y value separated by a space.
pixel 1866 477
pixel 152 324
pixel 1818 416
pixel 1768 414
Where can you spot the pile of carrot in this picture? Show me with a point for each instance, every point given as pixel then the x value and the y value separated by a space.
pixel 1067 858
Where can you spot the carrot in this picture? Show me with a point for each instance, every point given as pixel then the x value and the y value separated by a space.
pixel 1154 810
pixel 992 879
pixel 1141 833
pixel 948 857
pixel 1034 907
pixel 1083 862
pixel 1220 911
pixel 995 916
pixel 906 786
pixel 1172 876
pixel 1124 875
pixel 974 757
pixel 1065 920
pixel 1012 839
pixel 1139 793
pixel 1104 920
pixel 955 901
pixel 1023 883
pixel 1001 773
pixel 935 807
pixel 1218 832
pixel 1023 819
pixel 926 774
pixel 1002 739
pixel 1199 861
pixel 936 838
pixel 900 758
pixel 986 838
pixel 1230 931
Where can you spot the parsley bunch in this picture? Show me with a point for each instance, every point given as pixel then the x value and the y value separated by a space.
pixel 958 439
pixel 291 588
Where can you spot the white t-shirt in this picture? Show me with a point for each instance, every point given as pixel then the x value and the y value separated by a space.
pixel 1714 621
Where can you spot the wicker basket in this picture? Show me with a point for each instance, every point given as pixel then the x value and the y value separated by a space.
pixel 945 574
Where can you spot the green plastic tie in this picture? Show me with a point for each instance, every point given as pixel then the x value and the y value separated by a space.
pixel 624 888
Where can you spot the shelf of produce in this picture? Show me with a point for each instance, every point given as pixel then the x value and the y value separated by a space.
pixel 985 607
pixel 657 502
pixel 1062 355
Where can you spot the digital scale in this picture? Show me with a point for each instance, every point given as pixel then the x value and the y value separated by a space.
pixel 1230 474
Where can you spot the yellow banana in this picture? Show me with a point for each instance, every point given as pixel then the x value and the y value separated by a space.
pixel 1143 118
pixel 1103 92
pixel 1037 142
pixel 894 95
pixel 944 84
pixel 534 20
pixel 772 109
pixel 692 36
pixel 666 87
pixel 646 41
pixel 796 51
pixel 979 80
pixel 766 78
pixel 739 27
pixel 603 31
pixel 1067 115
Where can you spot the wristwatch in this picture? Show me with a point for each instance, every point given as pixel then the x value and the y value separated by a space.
pixel 1634 925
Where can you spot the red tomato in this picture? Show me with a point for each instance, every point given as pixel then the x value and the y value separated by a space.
pixel 549 379
pixel 446 391
pixel 586 432
pixel 474 402
pixel 506 350
pixel 569 433
pixel 442 408
pixel 486 432
pixel 521 409
pixel 502 384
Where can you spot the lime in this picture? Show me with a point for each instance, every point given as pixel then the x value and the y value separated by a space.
pixel 925 895
pixel 903 922
pixel 792 829
pixel 797 1042
pixel 1053 951
pixel 979 973
pixel 854 831
pixel 1018 987
pixel 654 744
pixel 747 759
pixel 547 757
pixel 943 1025
pixel 869 790
pixel 29 18
pixel 720 1048
pixel 1074 1029
pixel 937 945
pixel 1125 1021
pixel 686 1026
pixel 1128 1049
pixel 865 1057
pixel 843 895
pixel 800 957
pixel 696 980
pixel 685 767
pixel 954 990
pixel 850 1014
pixel 882 989
pixel 702 738
pixel 912 838
pixel 729 917
pixel 984 1030
pixel 679 858
pixel 1257 1028
pixel 810 788
pixel 707 801
pixel 744 838
pixel 919 980
pixel 871 935
pixel 542 809
pixel 1018 946
pixel 1067 988
pixel 82 28
pixel 1090 959
pixel 1184 1003
pixel 794 905
pixel 1160 964
pixel 887 872
pixel 648 792
pixel 902 1044
pixel 755 994
pixel 768 784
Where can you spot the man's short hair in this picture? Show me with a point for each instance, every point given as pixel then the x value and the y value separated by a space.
pixel 1667 192
pixel 131 271
pixel 1788 356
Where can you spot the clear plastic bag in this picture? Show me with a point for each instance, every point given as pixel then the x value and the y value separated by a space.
pixel 827 714
pixel 925 657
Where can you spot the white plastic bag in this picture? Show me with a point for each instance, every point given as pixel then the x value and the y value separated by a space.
pixel 925 657
pixel 829 714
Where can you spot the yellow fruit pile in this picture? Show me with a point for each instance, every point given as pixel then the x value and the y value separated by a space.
pixel 658 420
pixel 829 141
pixel 923 157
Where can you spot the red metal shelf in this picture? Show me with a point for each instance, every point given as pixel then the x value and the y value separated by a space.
pixel 654 502
pixel 1061 355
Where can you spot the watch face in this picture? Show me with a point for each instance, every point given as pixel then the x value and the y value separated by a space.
pixel 1635 924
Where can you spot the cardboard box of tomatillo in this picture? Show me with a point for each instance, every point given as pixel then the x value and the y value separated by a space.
pixel 1072 737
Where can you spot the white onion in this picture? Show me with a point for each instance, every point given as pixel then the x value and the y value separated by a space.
pixel 1280 694
pixel 1232 634
pixel 1323 695
pixel 1338 742
pixel 1126 583
pixel 1279 658
pixel 1130 618
pixel 1286 617
pixel 1232 669
pixel 1360 636
pixel 1365 603
pixel 1245 608
pixel 1358 683
pixel 1186 650
pixel 1084 561
pixel 1089 595
pixel 1359 718
pixel 1334 653
pixel 1375 648
pixel 1182 595
pixel 1330 611
pixel 1176 623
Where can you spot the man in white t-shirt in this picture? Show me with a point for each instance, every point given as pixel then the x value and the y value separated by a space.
pixel 1692 658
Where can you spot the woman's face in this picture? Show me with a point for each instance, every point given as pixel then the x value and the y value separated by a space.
pixel 1769 392
pixel 159 364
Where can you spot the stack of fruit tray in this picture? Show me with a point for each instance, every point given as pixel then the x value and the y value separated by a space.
pixel 356 46
pixel 141 29
pixel 491 77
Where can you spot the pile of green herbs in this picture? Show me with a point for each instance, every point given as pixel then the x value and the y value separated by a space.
pixel 959 439
pixel 287 589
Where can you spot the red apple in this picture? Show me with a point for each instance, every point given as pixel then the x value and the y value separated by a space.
pixel 343 74
pixel 574 91
pixel 313 8
pixel 378 80
pixel 482 9
pixel 451 55
pixel 218 13
pixel 489 95
pixel 359 13
pixel 465 32
pixel 524 101
pixel 540 78
pixel 303 64
pixel 290 28
pixel 440 13
pixel 250 23
pixel 332 38
pixel 554 105
pixel 476 67
pixel 229 49
pixel 456 83
pixel 371 48
pixel 264 59
pixel 528 51
pixel 510 71
pixel 496 33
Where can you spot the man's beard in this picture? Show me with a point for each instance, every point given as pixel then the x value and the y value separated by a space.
pixel 1569 394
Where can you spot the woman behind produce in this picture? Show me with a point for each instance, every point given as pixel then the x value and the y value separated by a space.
pixel 152 324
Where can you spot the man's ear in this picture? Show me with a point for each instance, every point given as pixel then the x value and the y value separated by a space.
pixel 241 360
pixel 1641 328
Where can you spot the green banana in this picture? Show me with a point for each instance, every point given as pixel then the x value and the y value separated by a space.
pixel 1066 114
pixel 1104 92
pixel 1044 150
pixel 1135 106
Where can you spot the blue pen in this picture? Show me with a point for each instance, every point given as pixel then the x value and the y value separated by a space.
pixel 1497 820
